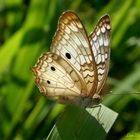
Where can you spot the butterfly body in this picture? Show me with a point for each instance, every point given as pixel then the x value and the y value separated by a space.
pixel 75 69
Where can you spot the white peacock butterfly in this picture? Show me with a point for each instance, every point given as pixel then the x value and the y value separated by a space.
pixel 76 68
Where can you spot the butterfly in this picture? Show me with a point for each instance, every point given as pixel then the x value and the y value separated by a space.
pixel 76 68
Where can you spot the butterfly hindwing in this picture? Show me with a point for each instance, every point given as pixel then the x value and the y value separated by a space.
pixel 56 79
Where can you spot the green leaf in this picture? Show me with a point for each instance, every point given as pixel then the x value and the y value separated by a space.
pixel 80 124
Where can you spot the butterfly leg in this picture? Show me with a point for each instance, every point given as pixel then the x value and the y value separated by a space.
pixel 98 115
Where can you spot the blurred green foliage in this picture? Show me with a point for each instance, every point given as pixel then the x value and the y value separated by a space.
pixel 26 30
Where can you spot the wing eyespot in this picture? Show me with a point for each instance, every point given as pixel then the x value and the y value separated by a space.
pixel 52 68
pixel 68 55
pixel 48 82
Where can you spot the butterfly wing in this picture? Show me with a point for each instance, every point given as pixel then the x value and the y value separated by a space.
pixel 72 44
pixel 57 80
pixel 100 42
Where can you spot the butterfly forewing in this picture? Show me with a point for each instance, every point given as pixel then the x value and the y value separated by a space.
pixel 72 44
pixel 100 42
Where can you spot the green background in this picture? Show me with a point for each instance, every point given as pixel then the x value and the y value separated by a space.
pixel 26 30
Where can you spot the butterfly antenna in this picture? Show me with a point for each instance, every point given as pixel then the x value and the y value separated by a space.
pixel 129 92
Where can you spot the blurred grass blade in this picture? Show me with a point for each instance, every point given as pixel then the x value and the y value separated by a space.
pixel 124 87
pixel 132 136
pixel 80 124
